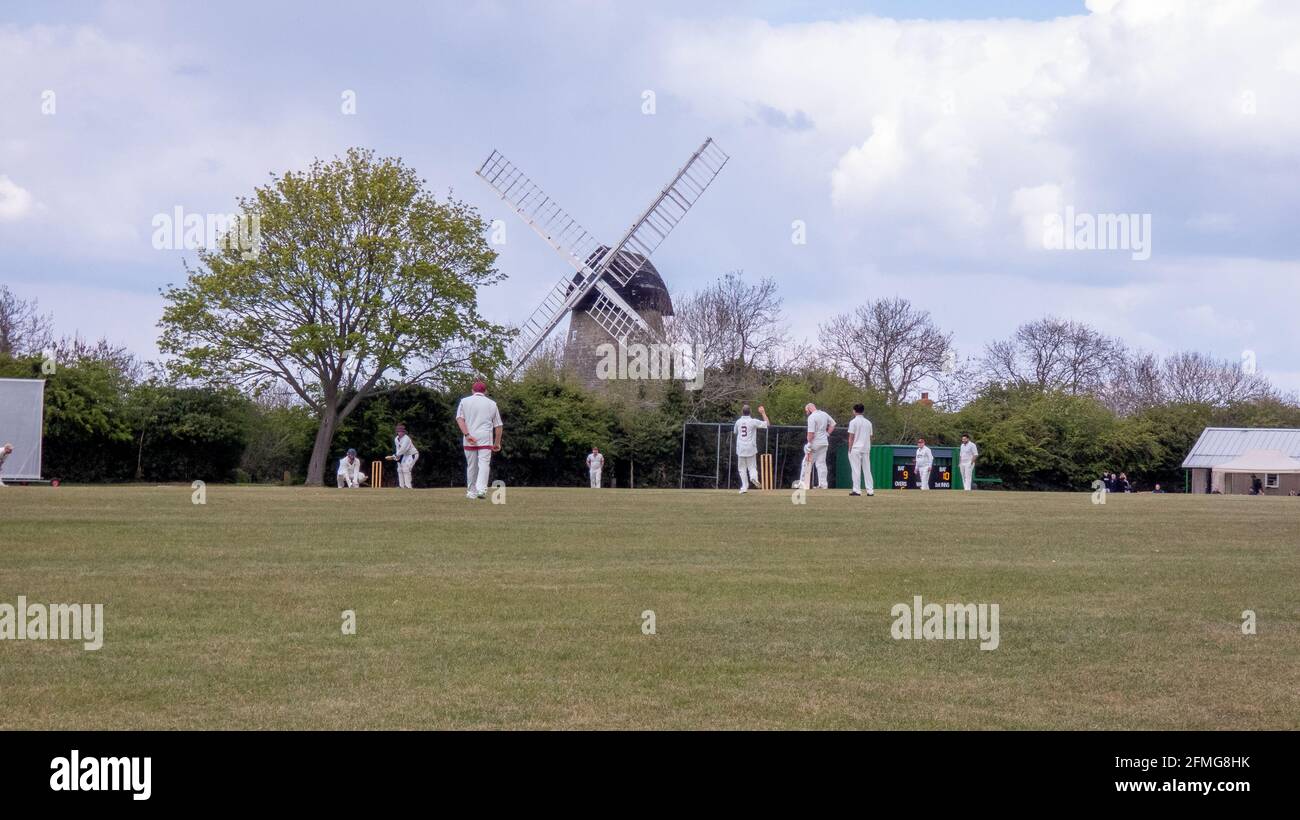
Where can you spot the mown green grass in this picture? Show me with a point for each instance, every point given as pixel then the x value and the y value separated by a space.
pixel 526 614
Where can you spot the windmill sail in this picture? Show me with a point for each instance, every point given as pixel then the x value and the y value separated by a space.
pixel 668 209
pixel 586 254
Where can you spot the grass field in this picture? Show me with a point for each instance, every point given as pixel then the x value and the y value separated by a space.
pixel 527 614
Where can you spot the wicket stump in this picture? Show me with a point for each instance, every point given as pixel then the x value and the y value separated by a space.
pixel 376 474
pixel 765 471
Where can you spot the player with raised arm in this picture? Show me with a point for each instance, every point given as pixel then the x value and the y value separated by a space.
pixel 746 431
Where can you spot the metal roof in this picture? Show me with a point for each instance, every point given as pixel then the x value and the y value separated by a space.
pixel 1219 444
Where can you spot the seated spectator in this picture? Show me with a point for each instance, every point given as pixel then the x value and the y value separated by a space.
pixel 1157 490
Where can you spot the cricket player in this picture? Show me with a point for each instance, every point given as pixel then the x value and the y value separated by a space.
pixel 595 463
pixel 4 453
pixel 480 425
pixel 924 461
pixel 746 431
pixel 860 451
pixel 820 427
pixel 350 472
pixel 405 454
pixel 969 452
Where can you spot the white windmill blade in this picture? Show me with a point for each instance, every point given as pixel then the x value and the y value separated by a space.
pixel 669 208
pixel 543 214
pixel 581 250
pixel 563 233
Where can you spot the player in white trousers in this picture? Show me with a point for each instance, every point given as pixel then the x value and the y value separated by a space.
pixel 924 461
pixel 480 426
pixel 860 451
pixel 746 431
pixel 350 472
pixel 595 463
pixel 820 427
pixel 969 452
pixel 4 453
pixel 405 454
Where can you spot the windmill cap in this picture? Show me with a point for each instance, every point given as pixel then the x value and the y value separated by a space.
pixel 480 387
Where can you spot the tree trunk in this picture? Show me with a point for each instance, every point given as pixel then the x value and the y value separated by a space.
pixel 321 449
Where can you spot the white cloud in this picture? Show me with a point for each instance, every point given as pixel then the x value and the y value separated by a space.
pixel 136 130
pixel 940 145
pixel 15 202
pixel 933 127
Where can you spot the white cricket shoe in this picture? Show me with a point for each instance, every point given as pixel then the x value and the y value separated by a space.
pixel 481 494
pixel 742 492
pixel 471 494
pixel 871 492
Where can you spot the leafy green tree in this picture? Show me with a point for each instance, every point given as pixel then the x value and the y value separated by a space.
pixel 357 282
pixel 1036 439
pixel 551 428
pixel 279 441
pixel 87 430
pixel 184 433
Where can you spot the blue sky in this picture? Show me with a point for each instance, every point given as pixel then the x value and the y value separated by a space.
pixel 921 143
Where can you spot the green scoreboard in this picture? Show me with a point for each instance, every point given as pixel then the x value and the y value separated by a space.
pixel 894 466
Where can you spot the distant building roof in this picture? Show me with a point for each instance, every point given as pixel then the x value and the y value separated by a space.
pixel 1221 444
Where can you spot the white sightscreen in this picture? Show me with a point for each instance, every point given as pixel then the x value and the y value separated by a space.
pixel 22 407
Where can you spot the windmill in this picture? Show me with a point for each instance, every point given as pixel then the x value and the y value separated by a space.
pixel 616 293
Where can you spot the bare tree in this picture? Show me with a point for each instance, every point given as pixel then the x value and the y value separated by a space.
pixel 74 349
pixel 1202 379
pixel 958 383
pixel 737 334
pixel 1136 384
pixel 547 361
pixel 888 345
pixel 1054 354
pixel 23 330
pixel 735 324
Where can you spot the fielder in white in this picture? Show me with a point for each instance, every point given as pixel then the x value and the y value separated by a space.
pixel 860 451
pixel 595 463
pixel 351 473
pixel 969 452
pixel 746 432
pixel 820 427
pixel 480 425
pixel 924 461
pixel 405 454
pixel 4 453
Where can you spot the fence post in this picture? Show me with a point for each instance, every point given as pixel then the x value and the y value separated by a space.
pixel 681 472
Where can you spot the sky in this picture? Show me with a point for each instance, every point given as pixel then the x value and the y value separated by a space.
pixel 925 149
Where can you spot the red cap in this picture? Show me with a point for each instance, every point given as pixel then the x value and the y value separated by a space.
pixel 480 387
